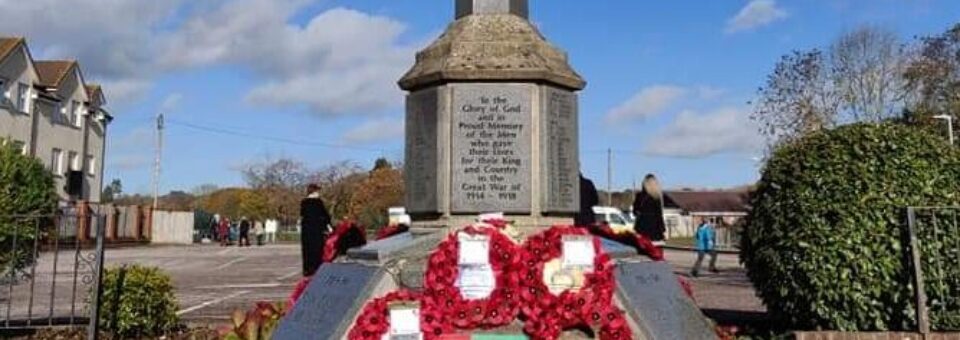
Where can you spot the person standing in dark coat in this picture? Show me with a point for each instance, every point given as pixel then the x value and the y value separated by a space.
pixel 314 226
pixel 244 239
pixel 648 206
pixel 588 199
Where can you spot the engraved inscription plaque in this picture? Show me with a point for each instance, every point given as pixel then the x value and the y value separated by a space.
pixel 327 307
pixel 653 297
pixel 559 145
pixel 420 168
pixel 491 158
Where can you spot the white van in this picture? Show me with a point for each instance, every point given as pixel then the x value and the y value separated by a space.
pixel 618 221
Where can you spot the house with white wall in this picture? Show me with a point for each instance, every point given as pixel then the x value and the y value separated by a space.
pixel 50 112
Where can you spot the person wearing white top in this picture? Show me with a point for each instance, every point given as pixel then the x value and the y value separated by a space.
pixel 271 228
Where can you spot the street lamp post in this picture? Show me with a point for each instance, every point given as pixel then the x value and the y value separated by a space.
pixel 949 120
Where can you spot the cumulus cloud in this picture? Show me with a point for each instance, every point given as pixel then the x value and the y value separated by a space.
pixel 755 14
pixel 694 135
pixel 131 150
pixel 648 102
pixel 111 38
pixel 375 131
pixel 341 61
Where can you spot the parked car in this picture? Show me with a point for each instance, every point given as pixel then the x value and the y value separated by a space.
pixel 618 221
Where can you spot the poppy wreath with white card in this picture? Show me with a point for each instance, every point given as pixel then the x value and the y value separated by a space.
pixel 568 281
pixel 379 318
pixel 473 279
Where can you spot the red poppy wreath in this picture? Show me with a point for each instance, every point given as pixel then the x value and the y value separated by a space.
pixel 374 319
pixel 346 235
pixel 443 297
pixel 548 313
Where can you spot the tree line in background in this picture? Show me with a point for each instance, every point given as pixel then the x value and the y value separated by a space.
pixel 866 75
pixel 274 188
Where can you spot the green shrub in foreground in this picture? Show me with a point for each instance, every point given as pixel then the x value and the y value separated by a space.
pixel 26 193
pixel 823 245
pixel 147 303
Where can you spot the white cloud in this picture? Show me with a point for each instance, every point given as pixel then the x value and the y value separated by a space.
pixel 342 61
pixel 649 102
pixel 375 131
pixel 755 14
pixel 131 150
pixel 697 135
pixel 112 39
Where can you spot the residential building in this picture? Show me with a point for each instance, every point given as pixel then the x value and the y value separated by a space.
pixel 684 210
pixel 50 111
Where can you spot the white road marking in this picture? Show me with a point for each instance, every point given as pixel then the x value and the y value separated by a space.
pixel 211 302
pixel 226 251
pixel 248 286
pixel 225 265
pixel 292 274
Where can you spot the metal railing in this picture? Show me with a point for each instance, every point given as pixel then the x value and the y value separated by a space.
pixel 934 257
pixel 50 270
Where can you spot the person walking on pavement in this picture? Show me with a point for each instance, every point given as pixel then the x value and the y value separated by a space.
pixel 223 231
pixel 706 239
pixel 244 239
pixel 315 225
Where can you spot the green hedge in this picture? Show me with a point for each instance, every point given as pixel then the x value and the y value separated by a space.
pixel 824 241
pixel 27 197
pixel 147 305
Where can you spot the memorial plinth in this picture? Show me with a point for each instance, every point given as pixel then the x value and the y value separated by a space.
pixel 492 122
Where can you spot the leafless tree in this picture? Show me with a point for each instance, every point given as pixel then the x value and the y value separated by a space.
pixel 799 97
pixel 867 66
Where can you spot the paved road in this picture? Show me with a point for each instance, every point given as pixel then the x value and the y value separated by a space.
pixel 212 281
pixel 728 290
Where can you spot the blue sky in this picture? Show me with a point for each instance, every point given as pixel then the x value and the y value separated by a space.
pixel 668 81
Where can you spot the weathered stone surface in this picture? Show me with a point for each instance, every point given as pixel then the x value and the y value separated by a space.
pixel 616 249
pixel 382 249
pixel 422 153
pixel 653 298
pixel 480 7
pixel 559 151
pixel 491 161
pixel 334 297
pixel 496 47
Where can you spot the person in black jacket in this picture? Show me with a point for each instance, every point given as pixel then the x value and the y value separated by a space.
pixel 244 239
pixel 588 199
pixel 314 226
pixel 648 206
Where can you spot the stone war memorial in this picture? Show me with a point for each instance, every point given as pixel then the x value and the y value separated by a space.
pixel 492 176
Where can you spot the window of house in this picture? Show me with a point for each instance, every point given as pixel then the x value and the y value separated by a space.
pixel 20 145
pixel 75 110
pixel 91 165
pixel 23 97
pixel 56 162
pixel 3 91
pixel 74 161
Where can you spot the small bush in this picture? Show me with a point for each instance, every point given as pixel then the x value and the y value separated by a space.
pixel 824 241
pixel 26 195
pixel 147 306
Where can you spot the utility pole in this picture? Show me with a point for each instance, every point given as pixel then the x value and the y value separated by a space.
pixel 609 177
pixel 156 165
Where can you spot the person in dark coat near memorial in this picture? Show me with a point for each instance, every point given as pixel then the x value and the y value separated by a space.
pixel 589 198
pixel 648 206
pixel 314 227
